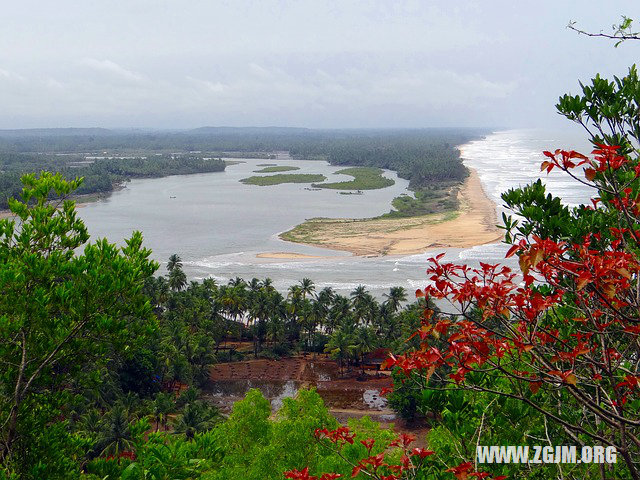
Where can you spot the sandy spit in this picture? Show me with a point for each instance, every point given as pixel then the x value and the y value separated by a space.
pixel 474 224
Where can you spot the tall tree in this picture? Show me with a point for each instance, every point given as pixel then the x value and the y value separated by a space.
pixel 61 312
pixel 174 262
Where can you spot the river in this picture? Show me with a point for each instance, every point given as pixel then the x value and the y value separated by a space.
pixel 218 225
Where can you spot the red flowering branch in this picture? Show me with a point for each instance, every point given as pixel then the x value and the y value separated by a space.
pixel 567 323
pixel 376 466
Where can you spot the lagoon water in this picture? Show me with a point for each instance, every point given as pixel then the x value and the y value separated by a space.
pixel 218 225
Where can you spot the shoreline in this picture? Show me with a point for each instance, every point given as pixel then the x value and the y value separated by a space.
pixel 473 224
pixel 287 255
pixel 81 200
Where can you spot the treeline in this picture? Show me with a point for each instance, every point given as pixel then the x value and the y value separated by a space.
pixel 422 157
pixel 196 319
pixel 208 139
pixel 426 157
pixel 101 175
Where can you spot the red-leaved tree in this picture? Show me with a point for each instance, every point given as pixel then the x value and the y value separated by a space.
pixel 560 334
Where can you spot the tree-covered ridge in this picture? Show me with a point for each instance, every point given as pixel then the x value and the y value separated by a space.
pixel 101 175
pixel 299 141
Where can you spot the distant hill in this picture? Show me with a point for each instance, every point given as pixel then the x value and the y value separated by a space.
pixel 247 131
pixel 56 132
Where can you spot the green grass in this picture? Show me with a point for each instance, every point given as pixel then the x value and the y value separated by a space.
pixel 364 178
pixel 267 164
pixel 275 168
pixel 284 178
pixel 440 197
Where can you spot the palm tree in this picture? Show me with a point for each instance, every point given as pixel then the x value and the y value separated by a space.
pixel 162 291
pixel 361 301
pixel 196 417
pixel 259 312
pixel 174 262
pixel 115 436
pixel 190 395
pixel 161 407
pixel 306 287
pixel 324 300
pixel 365 341
pixel 90 423
pixel 254 285
pixel 267 284
pixel 294 293
pixel 340 346
pixel 339 314
pixel 129 401
pixel 177 279
pixel 236 282
pixel 395 297
pixel 326 296
pixel 358 295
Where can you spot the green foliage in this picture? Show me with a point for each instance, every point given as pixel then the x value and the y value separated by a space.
pixel 607 109
pixel 364 178
pixel 284 178
pixel 435 198
pixel 196 417
pixel 423 157
pixel 63 315
pixel 99 175
pixel 276 168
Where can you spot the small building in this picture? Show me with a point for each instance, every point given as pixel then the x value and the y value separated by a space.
pixel 374 360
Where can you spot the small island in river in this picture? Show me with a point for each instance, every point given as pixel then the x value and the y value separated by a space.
pixel 283 178
pixel 364 178
pixel 276 168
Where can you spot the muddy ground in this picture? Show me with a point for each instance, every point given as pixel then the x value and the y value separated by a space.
pixel 348 395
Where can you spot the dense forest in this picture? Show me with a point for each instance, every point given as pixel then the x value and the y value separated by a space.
pixel 101 175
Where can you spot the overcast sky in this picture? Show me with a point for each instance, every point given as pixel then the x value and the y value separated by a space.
pixel 388 63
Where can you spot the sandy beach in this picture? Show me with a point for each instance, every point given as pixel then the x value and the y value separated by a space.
pixel 474 224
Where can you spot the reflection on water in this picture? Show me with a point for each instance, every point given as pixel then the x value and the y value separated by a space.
pixel 337 392
pixel 224 393
pixel 373 399
pixel 238 388
pixel 318 372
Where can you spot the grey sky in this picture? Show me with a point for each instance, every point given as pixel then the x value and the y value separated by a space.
pixel 391 63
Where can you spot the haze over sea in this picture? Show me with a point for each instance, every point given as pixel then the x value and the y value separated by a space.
pixel 218 225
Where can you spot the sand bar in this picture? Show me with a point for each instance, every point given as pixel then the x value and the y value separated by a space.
pixel 474 224
pixel 285 255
